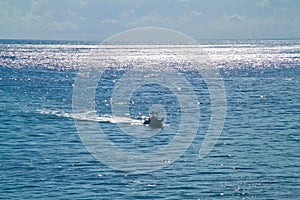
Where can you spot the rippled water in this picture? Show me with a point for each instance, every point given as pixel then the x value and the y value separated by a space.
pixel 256 156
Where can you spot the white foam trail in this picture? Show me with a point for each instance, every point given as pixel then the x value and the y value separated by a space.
pixel 90 116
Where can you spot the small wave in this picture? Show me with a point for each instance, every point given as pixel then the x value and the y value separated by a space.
pixel 91 116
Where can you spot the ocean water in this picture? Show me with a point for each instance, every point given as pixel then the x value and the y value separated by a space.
pixel 44 155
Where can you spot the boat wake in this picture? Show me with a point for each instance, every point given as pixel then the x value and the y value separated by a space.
pixel 91 116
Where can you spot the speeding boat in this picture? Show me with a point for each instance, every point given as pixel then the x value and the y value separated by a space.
pixel 153 121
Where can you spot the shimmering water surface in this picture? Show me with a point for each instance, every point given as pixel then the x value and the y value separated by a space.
pixel 256 157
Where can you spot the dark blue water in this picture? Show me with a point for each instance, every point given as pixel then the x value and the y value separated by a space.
pixel 256 157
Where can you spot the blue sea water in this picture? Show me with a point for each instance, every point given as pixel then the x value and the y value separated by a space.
pixel 42 155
